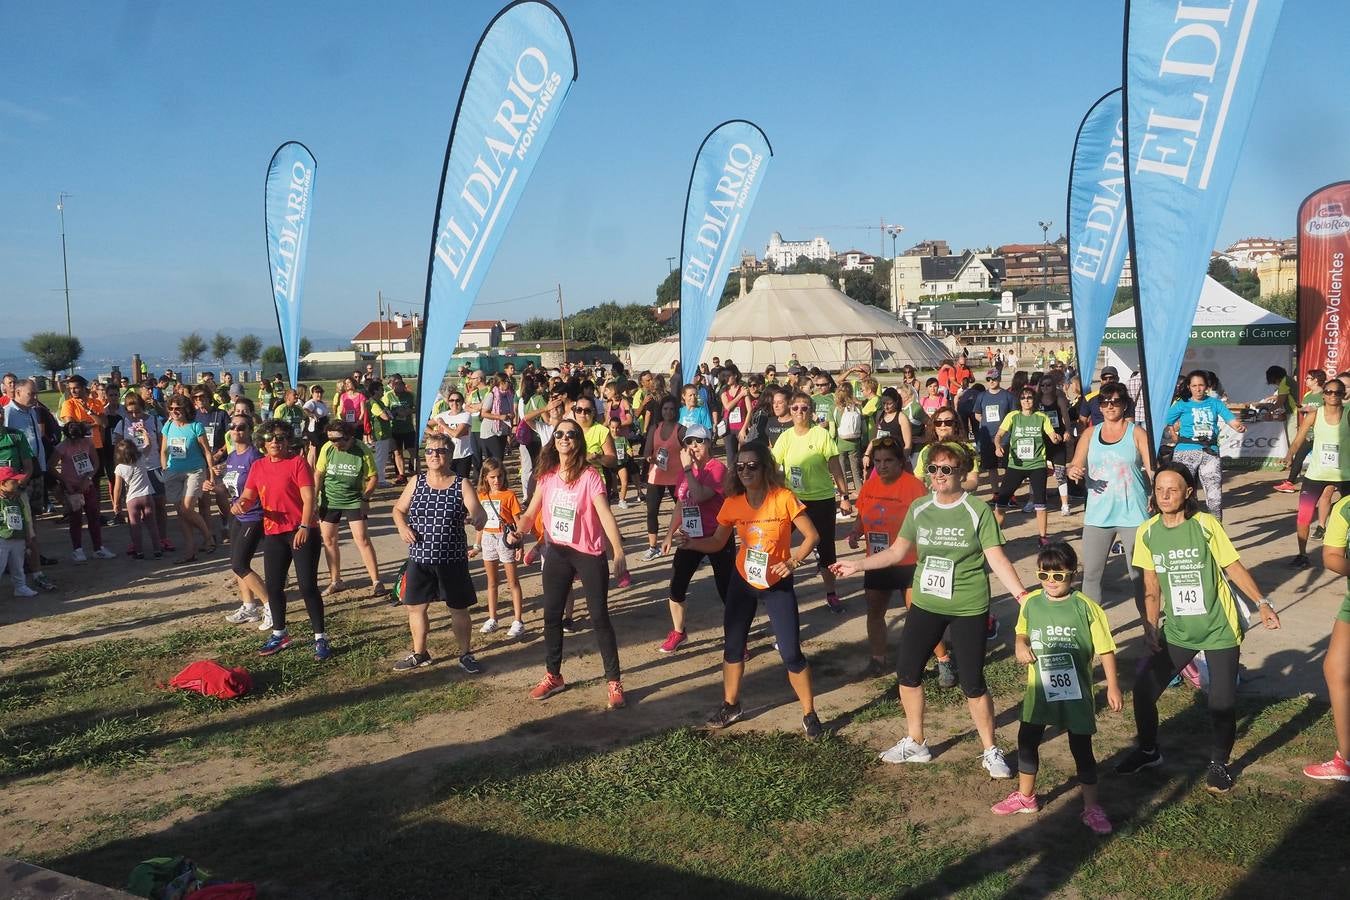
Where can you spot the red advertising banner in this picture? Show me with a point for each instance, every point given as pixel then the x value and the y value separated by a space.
pixel 1323 247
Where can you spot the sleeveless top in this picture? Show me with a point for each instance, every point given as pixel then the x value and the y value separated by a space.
pixel 1329 458
pixel 669 449
pixel 438 518
pixel 891 429
pixel 1117 491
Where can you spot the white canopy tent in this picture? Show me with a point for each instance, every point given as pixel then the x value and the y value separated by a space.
pixel 808 316
pixel 1238 341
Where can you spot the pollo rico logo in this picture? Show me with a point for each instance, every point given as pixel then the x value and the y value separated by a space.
pixel 1330 221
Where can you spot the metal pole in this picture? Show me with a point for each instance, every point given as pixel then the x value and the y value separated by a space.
pixel 379 317
pixel 562 323
pixel 65 269
pixel 670 261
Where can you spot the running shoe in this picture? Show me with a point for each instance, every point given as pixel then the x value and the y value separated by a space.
pixel 907 751
pixel 47 560
pixel 1299 561
pixel 623 504
pixel 834 603
pixel 489 626
pixel 550 685
pixel 1065 511
pixel 672 641
pixel 322 649
pixel 651 554
pixel 1317 532
pixel 1286 487
pixel 727 714
pixel 469 664
pixel 1030 507
pixel 947 677
pixel 615 695
pixel 78 555
pixel 245 613
pixel 266 623
pixel 412 661
pixel 570 626
pixel 23 590
pixel 275 644
pixel 516 630
pixel 1117 549
pixel 42 581
pixel 991 628
pixel 1138 760
pixel 1042 542
pixel 1219 779
pixel 131 550
pixel 1016 802
pixel 875 668
pixel 167 546
pixel 1334 769
pixel 994 763
pixel 811 724
pixel 625 581
pixel 1094 817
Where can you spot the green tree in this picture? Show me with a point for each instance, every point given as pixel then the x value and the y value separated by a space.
pixel 306 346
pixel 1285 303
pixel 273 357
pixel 53 351
pixel 1221 271
pixel 248 349
pixel 222 345
pixel 668 291
pixel 540 329
pixel 190 350
pixel 1124 299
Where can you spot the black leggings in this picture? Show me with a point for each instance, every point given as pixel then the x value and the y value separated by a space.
pixel 920 636
pixel 780 601
pixel 686 564
pixel 1162 667
pixel 655 494
pixel 1297 463
pixel 1029 752
pixel 821 514
pixel 561 564
pixel 244 540
pixel 278 554
pixel 1012 480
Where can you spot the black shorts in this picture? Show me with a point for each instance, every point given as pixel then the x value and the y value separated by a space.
pixel 334 516
pixel 245 538
pixel 1013 480
pixel 462 466
pixel 156 481
pixel 922 632
pixel 406 441
pixel 989 460
pixel 450 582
pixel 895 578
pixel 821 513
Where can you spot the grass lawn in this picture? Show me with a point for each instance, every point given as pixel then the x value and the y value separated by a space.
pixel 674 812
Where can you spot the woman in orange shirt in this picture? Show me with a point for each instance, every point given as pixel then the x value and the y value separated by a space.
pixel 882 503
pixel 762 512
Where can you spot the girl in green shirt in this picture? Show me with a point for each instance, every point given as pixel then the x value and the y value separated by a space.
pixel 1027 429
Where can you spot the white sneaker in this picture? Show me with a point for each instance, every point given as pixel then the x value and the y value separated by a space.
pixel 623 504
pixel 79 556
pixel 908 751
pixel 266 623
pixel 994 763
pixel 104 553
pixel 23 590
pixel 516 630
pixel 245 613
pixel 651 554
pixel 1065 511
pixel 489 626
pixel 1030 507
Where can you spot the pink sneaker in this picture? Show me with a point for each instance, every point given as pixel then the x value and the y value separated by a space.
pixel 1095 818
pixel 672 642
pixel 1334 769
pixel 626 580
pixel 1016 802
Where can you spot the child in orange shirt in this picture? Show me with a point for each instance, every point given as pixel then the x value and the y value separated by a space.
pixel 503 510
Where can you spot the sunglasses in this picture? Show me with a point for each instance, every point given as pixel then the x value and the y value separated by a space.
pixel 800 408
pixel 437 451
pixel 1056 577
pixel 940 470
pixel 338 437
pixel 239 428
pixel 693 440
pixel 1109 403
pixel 944 423
pixel 273 438
pixel 1027 397
pixel 1327 393
pixel 747 467
pixel 584 410
pixel 567 435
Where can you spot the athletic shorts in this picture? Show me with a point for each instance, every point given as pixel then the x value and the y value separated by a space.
pixel 180 486
pixel 895 578
pixel 989 460
pixel 334 516
pixel 405 441
pixel 462 466
pixel 449 582
pixel 494 548
pixel 156 481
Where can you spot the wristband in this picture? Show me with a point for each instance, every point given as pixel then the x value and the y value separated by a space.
pixel 1265 601
pixel 1023 596
pixel 306 527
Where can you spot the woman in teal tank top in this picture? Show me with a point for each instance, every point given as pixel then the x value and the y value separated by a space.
pixel 1328 462
pixel 1111 457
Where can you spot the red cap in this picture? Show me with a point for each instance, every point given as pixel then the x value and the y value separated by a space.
pixel 9 474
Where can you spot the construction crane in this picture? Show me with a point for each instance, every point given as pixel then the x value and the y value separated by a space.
pixel 884 229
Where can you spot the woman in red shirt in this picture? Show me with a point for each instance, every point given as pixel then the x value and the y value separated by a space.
pixel 283 484
pixel 762 512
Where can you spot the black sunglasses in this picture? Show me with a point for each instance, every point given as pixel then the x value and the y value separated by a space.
pixel 693 440
pixel 943 470
pixel 585 410
pixel 437 451
pixel 939 423
pixel 567 435
pixel 747 467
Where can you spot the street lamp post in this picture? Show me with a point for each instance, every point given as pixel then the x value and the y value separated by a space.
pixel 894 231
pixel 1045 269
pixel 65 269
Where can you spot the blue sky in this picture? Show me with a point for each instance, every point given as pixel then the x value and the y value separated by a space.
pixel 160 119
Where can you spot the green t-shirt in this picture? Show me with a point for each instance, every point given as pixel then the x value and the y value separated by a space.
pixel 1026 439
pixel 1064 635
pixel 342 474
pixel 950 578
pixel 15 517
pixel 292 415
pixel 1338 536
pixel 1200 609
pixel 1329 456
pixel 869 409
pixel 914 411
pixel 402 409
pixel 380 427
pixel 823 411
pixel 479 396
pixel 804 459
pixel 1313 398
pixel 15 451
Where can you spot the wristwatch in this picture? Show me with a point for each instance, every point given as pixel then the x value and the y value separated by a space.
pixel 1265 601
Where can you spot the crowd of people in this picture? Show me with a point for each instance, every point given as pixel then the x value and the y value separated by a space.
pixel 765 473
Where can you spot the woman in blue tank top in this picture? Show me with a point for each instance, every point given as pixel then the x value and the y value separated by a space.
pixel 1112 457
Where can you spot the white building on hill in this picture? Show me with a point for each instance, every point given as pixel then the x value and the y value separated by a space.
pixel 783 254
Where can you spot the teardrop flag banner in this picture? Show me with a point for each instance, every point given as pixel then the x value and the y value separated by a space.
pixel 727 172
pixel 1323 248
pixel 1192 71
pixel 1097 216
pixel 289 200
pixel 520 74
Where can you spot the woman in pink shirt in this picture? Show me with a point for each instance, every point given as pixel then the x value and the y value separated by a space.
pixel 662 453
pixel 572 508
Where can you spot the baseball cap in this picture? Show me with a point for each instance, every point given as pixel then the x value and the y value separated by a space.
pixel 10 474
pixel 993 375
pixel 697 431
pixel 1110 370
